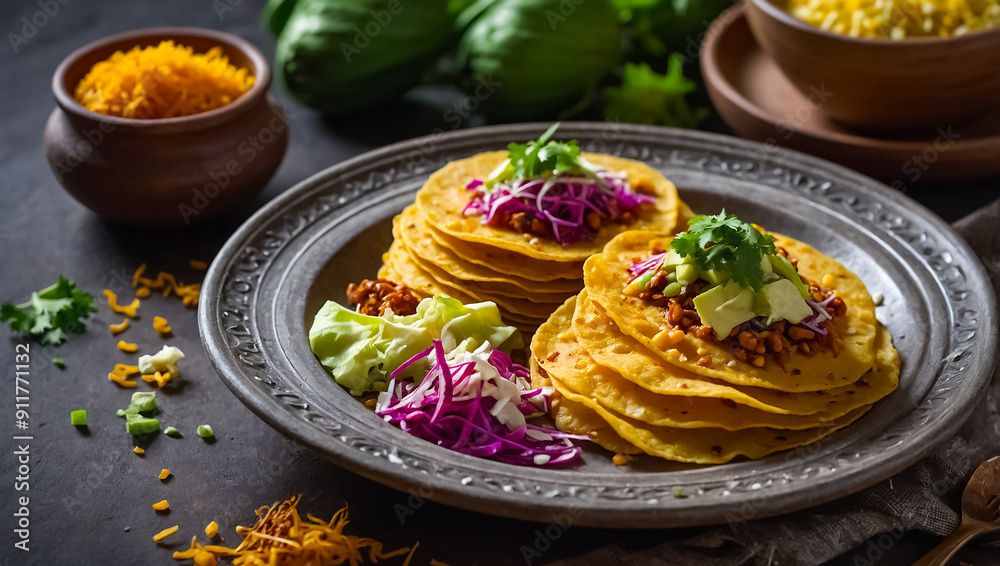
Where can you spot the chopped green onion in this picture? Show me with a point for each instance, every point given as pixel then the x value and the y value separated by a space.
pixel 144 401
pixel 59 363
pixel 205 431
pixel 78 418
pixel 141 425
pixel 120 412
pixel 679 493
pixel 172 432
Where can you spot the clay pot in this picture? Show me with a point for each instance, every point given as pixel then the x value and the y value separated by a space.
pixel 171 171
pixel 882 85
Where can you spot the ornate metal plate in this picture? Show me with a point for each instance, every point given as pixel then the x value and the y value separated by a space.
pixel 303 248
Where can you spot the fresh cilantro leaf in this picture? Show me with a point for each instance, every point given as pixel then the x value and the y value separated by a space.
pixel 538 158
pixel 51 313
pixel 646 97
pixel 724 243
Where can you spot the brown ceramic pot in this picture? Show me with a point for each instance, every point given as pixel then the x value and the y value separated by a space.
pixel 171 171
pixel 884 85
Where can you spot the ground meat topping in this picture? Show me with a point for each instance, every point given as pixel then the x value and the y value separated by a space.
pixel 752 342
pixel 376 297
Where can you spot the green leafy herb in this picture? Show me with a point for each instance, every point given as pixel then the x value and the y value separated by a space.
pixel 51 314
pixel 540 157
pixel 679 493
pixel 724 243
pixel 647 97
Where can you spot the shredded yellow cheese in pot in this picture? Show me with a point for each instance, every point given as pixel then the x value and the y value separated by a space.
pixel 162 81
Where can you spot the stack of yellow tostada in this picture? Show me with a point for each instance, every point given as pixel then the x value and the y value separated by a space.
pixel 667 353
pixel 514 227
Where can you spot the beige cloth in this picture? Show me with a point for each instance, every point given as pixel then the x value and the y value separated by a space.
pixel 924 497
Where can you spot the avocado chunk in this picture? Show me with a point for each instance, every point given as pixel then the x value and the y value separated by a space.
pixel 724 307
pixel 687 273
pixel 785 302
pixel 673 259
pixel 784 268
pixel 715 277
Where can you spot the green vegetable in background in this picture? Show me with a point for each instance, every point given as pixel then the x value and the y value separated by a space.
pixel 51 313
pixel 532 58
pixel 275 15
pixel 341 56
pixel 646 97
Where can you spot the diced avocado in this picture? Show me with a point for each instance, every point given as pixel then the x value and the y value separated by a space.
pixel 723 312
pixel 784 268
pixel 732 289
pixel 673 259
pixel 172 432
pixel 715 277
pixel 79 417
pixel 687 273
pixel 638 285
pixel 765 265
pixel 672 277
pixel 672 289
pixel 205 431
pixel 785 302
pixel 760 304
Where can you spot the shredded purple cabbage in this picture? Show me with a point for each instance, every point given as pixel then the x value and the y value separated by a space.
pixel 561 203
pixel 640 267
pixel 448 408
pixel 814 321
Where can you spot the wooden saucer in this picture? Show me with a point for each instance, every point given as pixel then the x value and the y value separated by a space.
pixel 759 103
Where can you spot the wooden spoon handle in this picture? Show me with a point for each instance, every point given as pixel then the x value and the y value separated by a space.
pixel 950 545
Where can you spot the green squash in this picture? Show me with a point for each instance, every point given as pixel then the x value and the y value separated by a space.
pixel 539 57
pixel 344 56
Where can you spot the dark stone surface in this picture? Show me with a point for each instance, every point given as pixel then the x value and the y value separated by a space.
pixel 86 489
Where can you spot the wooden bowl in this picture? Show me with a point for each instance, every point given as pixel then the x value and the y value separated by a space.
pixel 882 85
pixel 170 171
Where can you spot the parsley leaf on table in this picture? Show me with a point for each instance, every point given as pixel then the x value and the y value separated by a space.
pixel 646 97
pixel 51 313
pixel 724 243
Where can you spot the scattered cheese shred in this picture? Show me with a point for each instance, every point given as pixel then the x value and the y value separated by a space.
pixel 160 325
pixel 161 505
pixel 142 292
pixel 164 474
pixel 125 370
pixel 129 311
pixel 189 294
pixel 127 347
pixel 120 380
pixel 165 533
pixel 160 379
pixel 198 264
pixel 282 538
pixel 138 450
pixel 162 81
pixel 119 328
pixel 212 529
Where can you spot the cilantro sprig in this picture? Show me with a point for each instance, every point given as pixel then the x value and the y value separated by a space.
pixel 50 313
pixel 724 243
pixel 539 158
pixel 647 97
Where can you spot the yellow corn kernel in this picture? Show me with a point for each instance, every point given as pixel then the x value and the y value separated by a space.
pixel 138 450
pixel 161 505
pixel 212 529
pixel 164 474
pixel 127 347
pixel 118 328
pixel 829 280
pixel 165 533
